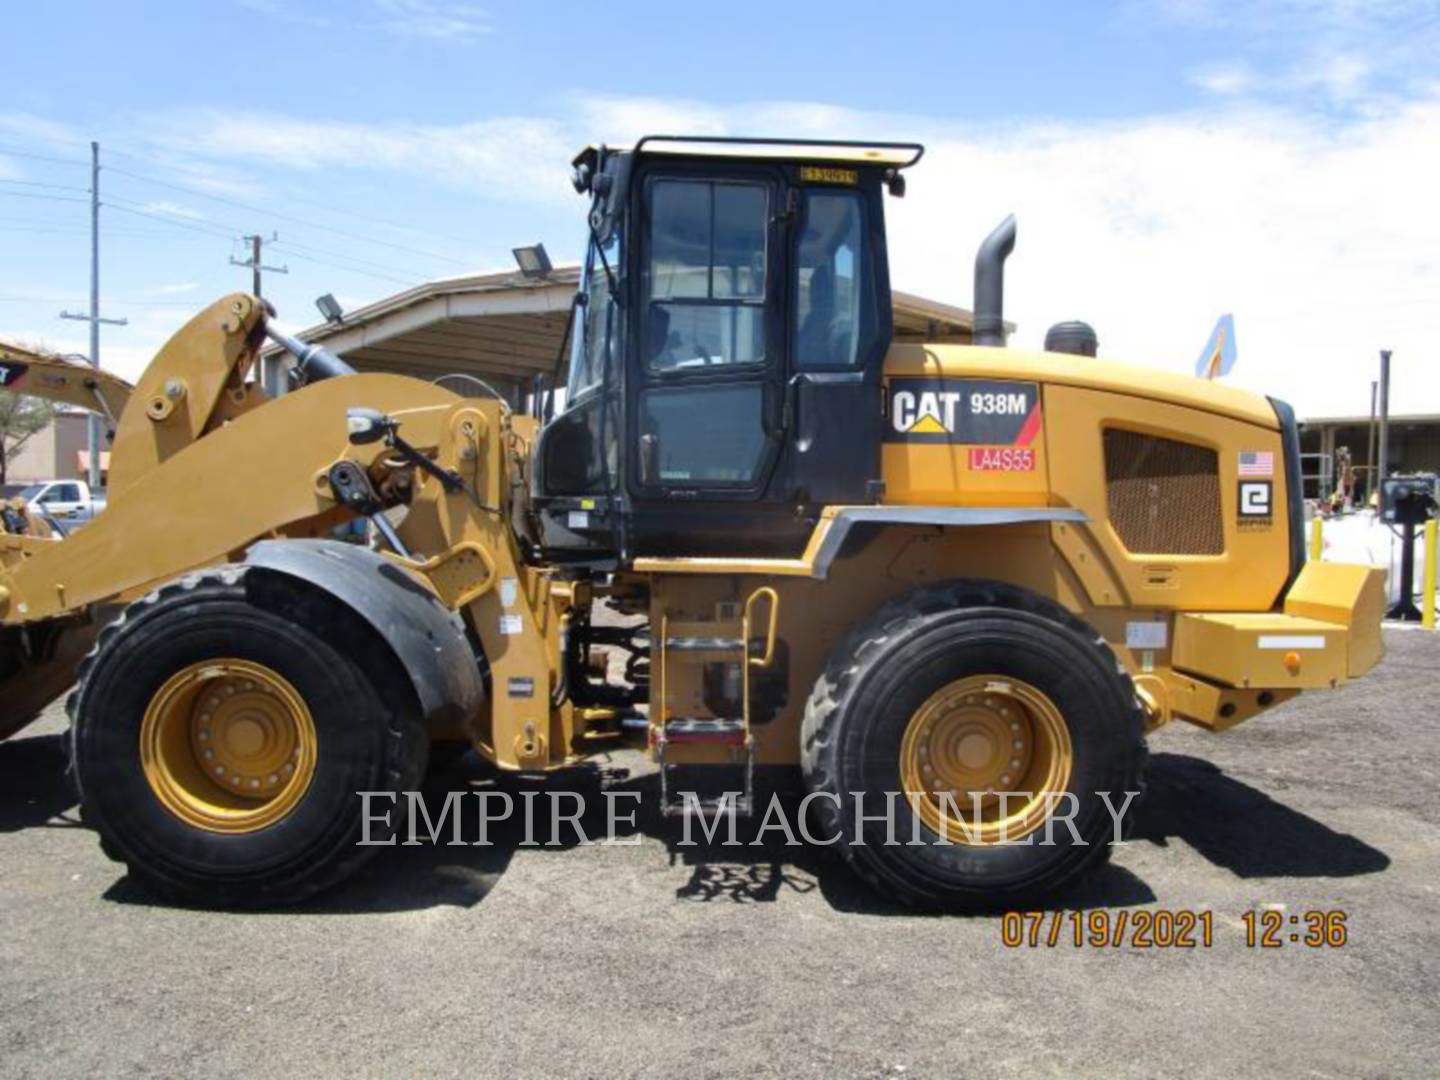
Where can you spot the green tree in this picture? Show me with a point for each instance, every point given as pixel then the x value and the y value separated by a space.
pixel 21 417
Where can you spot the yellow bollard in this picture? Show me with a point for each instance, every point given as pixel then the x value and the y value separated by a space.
pixel 1427 603
pixel 1317 545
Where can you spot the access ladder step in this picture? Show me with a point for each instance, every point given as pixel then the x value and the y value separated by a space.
pixel 710 807
pixel 725 731
pixel 700 643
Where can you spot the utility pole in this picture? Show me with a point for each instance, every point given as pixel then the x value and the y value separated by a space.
pixel 1384 427
pixel 1371 484
pixel 94 318
pixel 254 263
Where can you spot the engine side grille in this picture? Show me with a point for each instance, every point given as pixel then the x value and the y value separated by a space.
pixel 1164 495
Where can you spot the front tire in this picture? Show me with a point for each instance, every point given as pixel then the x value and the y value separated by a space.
pixel 1000 699
pixel 219 746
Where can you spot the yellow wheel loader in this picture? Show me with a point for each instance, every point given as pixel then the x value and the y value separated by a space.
pixel 946 588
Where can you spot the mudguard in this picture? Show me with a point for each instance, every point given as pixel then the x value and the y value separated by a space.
pixel 426 637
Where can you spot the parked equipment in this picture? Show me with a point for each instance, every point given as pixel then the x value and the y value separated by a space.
pixel 970 576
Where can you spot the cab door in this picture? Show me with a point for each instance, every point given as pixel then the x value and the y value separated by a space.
pixel 839 328
pixel 706 396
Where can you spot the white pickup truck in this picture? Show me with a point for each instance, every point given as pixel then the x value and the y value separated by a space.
pixel 66 503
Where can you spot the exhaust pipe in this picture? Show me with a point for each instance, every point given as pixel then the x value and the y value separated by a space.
pixel 990 284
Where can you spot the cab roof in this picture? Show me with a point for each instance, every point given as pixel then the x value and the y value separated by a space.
pixel 891 155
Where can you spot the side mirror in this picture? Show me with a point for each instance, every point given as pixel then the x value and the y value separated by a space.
pixel 367 426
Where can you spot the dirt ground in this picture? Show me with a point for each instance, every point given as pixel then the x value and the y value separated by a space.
pixel 649 960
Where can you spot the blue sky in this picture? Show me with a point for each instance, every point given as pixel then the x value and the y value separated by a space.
pixel 1169 160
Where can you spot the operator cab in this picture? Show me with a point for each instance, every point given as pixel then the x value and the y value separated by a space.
pixel 725 350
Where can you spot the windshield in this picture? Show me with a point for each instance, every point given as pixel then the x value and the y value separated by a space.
pixel 30 492
pixel 597 326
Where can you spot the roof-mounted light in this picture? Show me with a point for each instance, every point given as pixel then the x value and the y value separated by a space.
pixel 533 261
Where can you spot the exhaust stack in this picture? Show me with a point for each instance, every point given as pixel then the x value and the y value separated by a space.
pixel 990 284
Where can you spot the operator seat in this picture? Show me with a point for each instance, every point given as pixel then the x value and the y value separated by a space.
pixel 815 340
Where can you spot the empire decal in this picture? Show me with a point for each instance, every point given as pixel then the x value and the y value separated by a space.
pixel 971 412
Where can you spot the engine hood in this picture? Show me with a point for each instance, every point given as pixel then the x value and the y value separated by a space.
pixel 970 361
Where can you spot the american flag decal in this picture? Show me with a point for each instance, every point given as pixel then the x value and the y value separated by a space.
pixel 1256 463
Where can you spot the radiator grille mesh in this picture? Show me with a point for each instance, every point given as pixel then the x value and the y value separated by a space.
pixel 1164 495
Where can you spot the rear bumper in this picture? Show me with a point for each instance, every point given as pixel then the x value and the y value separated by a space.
pixel 1230 666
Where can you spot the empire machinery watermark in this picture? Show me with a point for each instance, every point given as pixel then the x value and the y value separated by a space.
pixel 892 818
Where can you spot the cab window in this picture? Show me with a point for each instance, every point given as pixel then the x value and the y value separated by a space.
pixel 834 314
pixel 707 275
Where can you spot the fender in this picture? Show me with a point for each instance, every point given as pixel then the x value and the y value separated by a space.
pixel 427 638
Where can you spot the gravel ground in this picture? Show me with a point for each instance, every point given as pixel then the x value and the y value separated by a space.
pixel 649 960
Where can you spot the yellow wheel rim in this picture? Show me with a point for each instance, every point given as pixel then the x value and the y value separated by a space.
pixel 975 740
pixel 228 746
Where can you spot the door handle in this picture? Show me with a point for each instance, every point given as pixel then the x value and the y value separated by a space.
pixel 800 416
pixel 649 459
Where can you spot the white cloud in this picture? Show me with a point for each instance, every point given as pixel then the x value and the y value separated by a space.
pixel 433 20
pixel 514 157
pixel 1225 79
pixel 285 12
pixel 1341 76
pixel 29 126
pixel 174 290
pixel 173 209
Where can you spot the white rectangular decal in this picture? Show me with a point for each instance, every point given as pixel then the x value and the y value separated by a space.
pixel 1145 635
pixel 1292 641
pixel 511 625
pixel 578 519
pixel 507 591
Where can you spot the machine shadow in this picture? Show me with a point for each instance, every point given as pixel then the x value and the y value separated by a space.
pixel 1242 829
pixel 34 790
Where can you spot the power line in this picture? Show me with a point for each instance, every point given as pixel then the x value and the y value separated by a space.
pixel 326 206
pixel 290 245
pixel 295 220
pixel 354 270
pixel 211 230
pixel 73 300
pixel 38 184
pixel 193 226
pixel 40 157
pixel 43 195
pixel 209 227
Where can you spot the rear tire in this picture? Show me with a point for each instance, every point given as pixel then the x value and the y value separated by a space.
pixel 890 679
pixel 315 706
